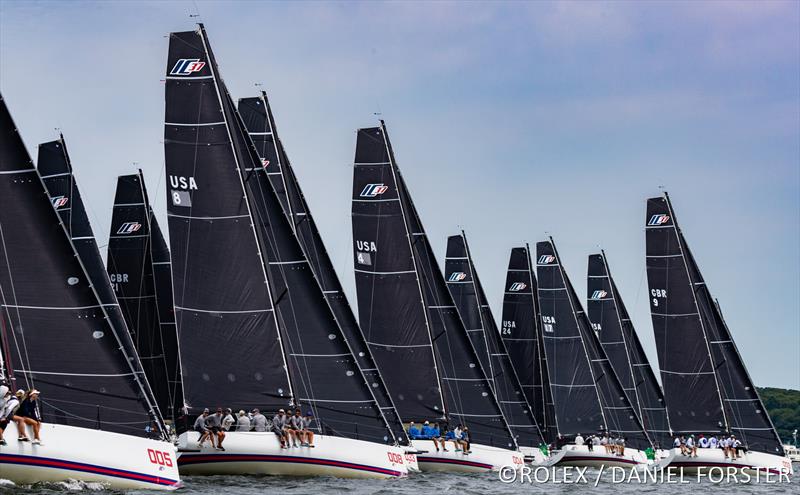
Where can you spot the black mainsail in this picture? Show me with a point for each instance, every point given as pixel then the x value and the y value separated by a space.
pixel 473 307
pixel 587 394
pixel 311 356
pixel 522 334
pixel 706 385
pixel 139 266
pixel 617 335
pixel 257 115
pixel 231 350
pixel 405 309
pixel 57 308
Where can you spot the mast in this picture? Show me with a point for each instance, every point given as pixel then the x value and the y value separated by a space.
pixel 402 272
pixel 257 116
pixel 54 310
pixel 473 306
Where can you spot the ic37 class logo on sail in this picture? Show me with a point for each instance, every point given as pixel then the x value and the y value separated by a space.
pixel 372 190
pixel 186 66
pixel 659 219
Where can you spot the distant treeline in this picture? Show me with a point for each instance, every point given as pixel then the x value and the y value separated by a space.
pixel 783 406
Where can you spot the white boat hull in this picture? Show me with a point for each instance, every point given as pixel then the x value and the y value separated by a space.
pixel 580 455
pixel 260 453
pixel 482 459
pixel 749 461
pixel 114 460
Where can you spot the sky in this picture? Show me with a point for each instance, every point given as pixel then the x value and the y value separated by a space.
pixel 510 120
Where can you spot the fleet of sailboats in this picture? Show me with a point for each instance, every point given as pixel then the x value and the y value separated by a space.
pixel 243 308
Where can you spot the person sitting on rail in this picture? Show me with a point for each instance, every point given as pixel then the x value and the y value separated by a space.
pixel 436 436
pixel 279 427
pixel 604 441
pixel 214 425
pixel 30 413
pixel 242 421
pixel 466 440
pixel 413 431
pixel 202 429
pixel 228 420
pixel 590 443
pixel 258 421
pixel 713 442
pixel 579 439
pixel 427 431
pixel 457 436
pixel 309 434
pixel 621 446
pixel 702 441
pixel 691 446
pixel 295 429
pixel 8 408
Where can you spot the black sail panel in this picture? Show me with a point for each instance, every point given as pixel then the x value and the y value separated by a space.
pixel 687 371
pixel 53 315
pixel 257 116
pixel 470 299
pixel 391 313
pixel 522 333
pixel 739 409
pixel 146 304
pixel 614 328
pixel 223 308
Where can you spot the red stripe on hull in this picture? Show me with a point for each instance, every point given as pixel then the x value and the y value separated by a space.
pixel 444 460
pixel 185 460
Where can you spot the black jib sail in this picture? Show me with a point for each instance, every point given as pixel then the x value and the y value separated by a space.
pixel 140 271
pixel 257 116
pixel 470 300
pixel 706 385
pixel 54 311
pixel 587 393
pixel 323 373
pixel 405 309
pixel 230 347
pixel 522 333
pixel 618 337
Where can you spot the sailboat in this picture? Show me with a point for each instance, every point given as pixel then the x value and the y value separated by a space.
pixel 410 321
pixel 254 328
pixel 706 385
pixel 100 421
pixel 140 270
pixel 614 328
pixel 521 331
pixel 473 307
pixel 587 394
pixel 257 116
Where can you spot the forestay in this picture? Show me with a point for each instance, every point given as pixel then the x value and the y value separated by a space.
pixel 706 385
pixel 139 267
pixel 473 307
pixel 57 305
